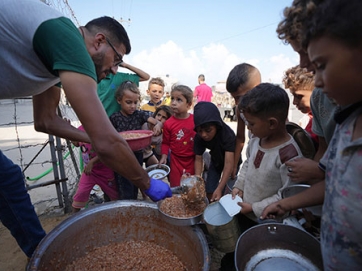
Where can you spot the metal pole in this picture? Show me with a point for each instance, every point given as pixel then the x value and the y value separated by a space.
pixel 55 170
pixel 66 200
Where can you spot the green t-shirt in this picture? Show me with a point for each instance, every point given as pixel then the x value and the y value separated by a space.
pixel 108 86
pixel 38 41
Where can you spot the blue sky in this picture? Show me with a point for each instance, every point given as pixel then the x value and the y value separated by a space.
pixel 189 37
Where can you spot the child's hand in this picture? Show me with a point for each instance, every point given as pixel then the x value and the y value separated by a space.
pixel 163 159
pixel 67 120
pixel 157 130
pixel 245 207
pixel 236 191
pixel 88 168
pixel 216 195
pixel 75 143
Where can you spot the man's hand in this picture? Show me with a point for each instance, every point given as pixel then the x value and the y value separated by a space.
pixel 158 190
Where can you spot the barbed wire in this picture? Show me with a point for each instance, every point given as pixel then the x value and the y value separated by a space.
pixel 64 7
pixel 28 155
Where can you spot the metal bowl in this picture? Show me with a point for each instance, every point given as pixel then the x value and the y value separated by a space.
pixel 140 142
pixel 180 221
pixel 115 222
pixel 277 247
pixel 297 188
pixel 158 171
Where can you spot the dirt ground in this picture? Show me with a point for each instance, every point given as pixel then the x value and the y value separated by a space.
pixel 13 259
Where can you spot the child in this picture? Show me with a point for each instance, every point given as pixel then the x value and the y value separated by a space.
pixel 213 134
pixel 264 174
pixel 152 154
pixel 291 30
pixel 300 83
pixel 241 79
pixel 167 99
pixel 129 118
pixel 155 91
pixel 95 172
pixel 333 40
pixel 178 135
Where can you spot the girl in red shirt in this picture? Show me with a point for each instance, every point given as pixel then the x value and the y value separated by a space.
pixel 178 135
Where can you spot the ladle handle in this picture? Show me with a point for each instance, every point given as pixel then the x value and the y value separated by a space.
pixel 177 190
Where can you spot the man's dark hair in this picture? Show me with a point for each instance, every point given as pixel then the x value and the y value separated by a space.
pixel 114 31
pixel 239 76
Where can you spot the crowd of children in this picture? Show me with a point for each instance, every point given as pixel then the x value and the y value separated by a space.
pixel 327 36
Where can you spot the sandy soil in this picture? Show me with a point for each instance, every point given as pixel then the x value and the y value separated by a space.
pixel 12 257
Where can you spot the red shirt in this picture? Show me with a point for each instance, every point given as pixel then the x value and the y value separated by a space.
pixel 203 93
pixel 313 136
pixel 178 136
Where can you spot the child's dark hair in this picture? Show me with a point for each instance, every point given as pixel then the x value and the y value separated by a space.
pixel 185 91
pixel 239 76
pixel 126 85
pixel 207 125
pixel 165 108
pixel 337 19
pixel 266 100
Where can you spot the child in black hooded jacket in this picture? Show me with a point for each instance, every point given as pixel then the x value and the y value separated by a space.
pixel 213 134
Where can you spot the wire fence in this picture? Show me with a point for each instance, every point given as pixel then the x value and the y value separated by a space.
pixel 51 166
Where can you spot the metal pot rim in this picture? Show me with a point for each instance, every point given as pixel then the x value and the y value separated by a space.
pixel 181 221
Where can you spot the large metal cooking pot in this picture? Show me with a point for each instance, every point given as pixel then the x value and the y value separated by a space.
pixel 274 246
pixel 116 222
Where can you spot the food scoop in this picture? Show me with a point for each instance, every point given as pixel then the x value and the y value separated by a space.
pixel 192 189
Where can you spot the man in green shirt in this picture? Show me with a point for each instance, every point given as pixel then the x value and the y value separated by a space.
pixel 39 49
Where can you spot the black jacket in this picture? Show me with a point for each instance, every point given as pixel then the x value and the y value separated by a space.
pixel 224 140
